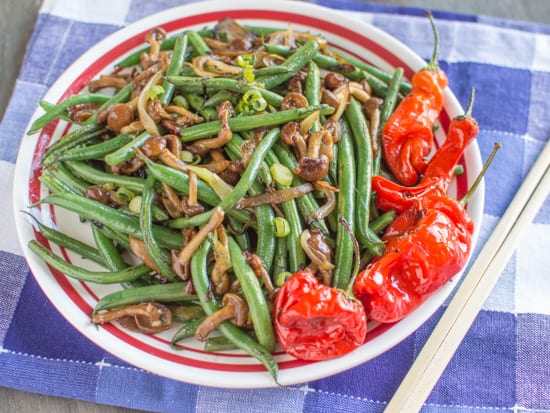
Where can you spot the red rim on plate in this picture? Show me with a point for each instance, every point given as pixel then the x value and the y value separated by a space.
pixel 153 353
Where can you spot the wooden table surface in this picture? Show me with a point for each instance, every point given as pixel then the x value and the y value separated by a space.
pixel 16 23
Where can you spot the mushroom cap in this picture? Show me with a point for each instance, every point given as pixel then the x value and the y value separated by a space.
pixel 240 307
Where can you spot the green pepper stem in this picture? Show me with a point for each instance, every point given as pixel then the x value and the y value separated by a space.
pixel 470 106
pixel 433 64
pixel 481 174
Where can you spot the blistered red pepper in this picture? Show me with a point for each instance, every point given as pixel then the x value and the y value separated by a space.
pixel 316 322
pixel 426 245
pixel 439 172
pixel 407 136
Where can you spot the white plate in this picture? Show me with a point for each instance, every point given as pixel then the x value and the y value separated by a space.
pixel 75 300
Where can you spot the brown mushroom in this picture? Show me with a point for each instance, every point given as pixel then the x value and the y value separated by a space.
pixel 258 267
pixel 333 80
pixel 234 308
pixel 146 318
pixel 293 100
pixel 319 252
pixel 312 169
pixel 189 249
pixel 219 277
pixel 118 116
pixel 106 81
pixel 224 112
pixel 292 136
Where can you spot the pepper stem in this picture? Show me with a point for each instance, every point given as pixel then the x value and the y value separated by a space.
pixel 481 174
pixel 470 106
pixel 433 64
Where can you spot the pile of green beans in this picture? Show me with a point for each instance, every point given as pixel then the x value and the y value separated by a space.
pixel 113 179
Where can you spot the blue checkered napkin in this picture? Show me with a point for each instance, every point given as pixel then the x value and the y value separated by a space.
pixel 504 362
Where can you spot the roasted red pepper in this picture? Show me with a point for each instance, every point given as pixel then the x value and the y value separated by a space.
pixel 438 174
pixel 316 322
pixel 426 245
pixel 407 136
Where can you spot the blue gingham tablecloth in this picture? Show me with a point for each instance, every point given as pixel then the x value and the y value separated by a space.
pixel 503 363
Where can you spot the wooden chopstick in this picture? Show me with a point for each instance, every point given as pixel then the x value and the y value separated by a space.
pixel 472 293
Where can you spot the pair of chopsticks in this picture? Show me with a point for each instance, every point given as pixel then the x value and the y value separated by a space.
pixel 469 298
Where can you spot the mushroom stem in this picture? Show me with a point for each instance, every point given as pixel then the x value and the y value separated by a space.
pixel 190 248
pixel 210 323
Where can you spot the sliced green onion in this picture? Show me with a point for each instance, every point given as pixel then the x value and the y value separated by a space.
pixel 135 204
pixel 187 156
pixel 124 195
pixel 459 170
pixel 282 227
pixel 155 91
pixel 281 174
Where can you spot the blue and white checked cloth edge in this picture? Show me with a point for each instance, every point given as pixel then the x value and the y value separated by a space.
pixel 504 362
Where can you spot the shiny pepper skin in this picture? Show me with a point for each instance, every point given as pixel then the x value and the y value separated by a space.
pixel 407 136
pixel 439 172
pixel 425 246
pixel 316 322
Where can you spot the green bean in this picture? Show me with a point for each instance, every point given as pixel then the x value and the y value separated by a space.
pixel 161 293
pixel 159 256
pixel 187 330
pixel 404 87
pixel 126 152
pixel 218 343
pixel 198 43
pixel 97 151
pixel 64 175
pixel 217 98
pixel 307 203
pixel 174 67
pixel 313 89
pixel 188 84
pixel 295 251
pixel 271 70
pixel 385 112
pixel 167 44
pixel 280 262
pixel 294 63
pixel 64 105
pixel 72 139
pixel 120 238
pixel 380 223
pixel 265 245
pixel 256 300
pixel 106 215
pixel 95 176
pixel 241 123
pixel 248 176
pixel 363 157
pixel 180 182
pixel 66 241
pixel 210 304
pixel 111 257
pixel 261 30
pixel 53 184
pixel 123 95
pixel 187 312
pixel 345 208
pixel 82 274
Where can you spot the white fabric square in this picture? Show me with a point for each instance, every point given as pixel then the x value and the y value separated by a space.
pixel 97 11
pixel 532 281
pixel 7 224
pixel 541 61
